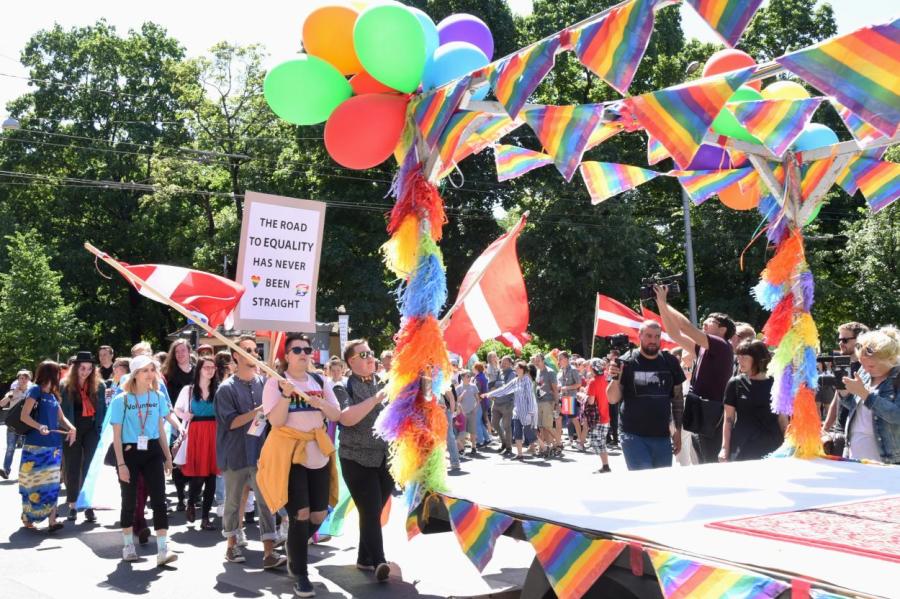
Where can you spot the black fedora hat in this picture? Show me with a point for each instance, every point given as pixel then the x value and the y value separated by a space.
pixel 84 356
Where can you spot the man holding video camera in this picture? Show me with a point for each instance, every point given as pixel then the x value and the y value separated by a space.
pixel 833 436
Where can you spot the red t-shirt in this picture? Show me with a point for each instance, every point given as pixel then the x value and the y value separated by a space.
pixel 597 390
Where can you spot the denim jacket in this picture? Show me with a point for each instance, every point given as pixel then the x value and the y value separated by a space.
pixel 884 402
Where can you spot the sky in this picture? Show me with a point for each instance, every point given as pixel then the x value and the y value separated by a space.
pixel 198 24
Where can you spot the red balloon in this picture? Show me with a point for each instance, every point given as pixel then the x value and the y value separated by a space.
pixel 730 60
pixel 363 83
pixel 364 130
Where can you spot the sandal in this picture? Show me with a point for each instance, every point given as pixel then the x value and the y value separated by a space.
pixel 55 526
pixel 27 524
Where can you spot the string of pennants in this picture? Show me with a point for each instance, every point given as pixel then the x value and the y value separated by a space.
pixel 573 561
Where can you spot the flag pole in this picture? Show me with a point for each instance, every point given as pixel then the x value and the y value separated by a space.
pixel 445 321
pixel 594 327
pixel 133 278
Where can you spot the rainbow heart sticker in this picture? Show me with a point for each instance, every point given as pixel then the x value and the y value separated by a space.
pixel 255 280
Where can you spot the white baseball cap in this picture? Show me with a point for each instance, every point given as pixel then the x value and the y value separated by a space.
pixel 141 361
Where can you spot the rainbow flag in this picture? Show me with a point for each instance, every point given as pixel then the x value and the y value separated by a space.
pixel 682 577
pixel 565 132
pixel 862 131
pixel 513 161
pixel 775 123
pixel 476 529
pixel 701 185
pixel 860 69
pixel 601 133
pixel 728 18
pixel 432 110
pixel 614 46
pixel 515 78
pixel 878 180
pixel 606 179
pixel 680 116
pixel 572 561
pixel 412 526
pixel 811 174
pixel 656 153
pixel 468 133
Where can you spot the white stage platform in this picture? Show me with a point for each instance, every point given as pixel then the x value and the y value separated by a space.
pixel 671 507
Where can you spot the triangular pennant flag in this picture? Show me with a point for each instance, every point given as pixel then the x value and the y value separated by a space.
pixel 679 117
pixel 860 69
pixel 602 132
pixel 606 179
pixel 480 130
pixel 682 577
pixel 412 526
pixel 513 161
pixel 656 152
pixel 862 131
pixel 700 185
pixel 878 180
pixel 728 18
pixel 515 78
pixel 614 46
pixel 572 561
pixel 811 174
pixel 564 132
pixel 476 529
pixel 433 109
pixel 775 123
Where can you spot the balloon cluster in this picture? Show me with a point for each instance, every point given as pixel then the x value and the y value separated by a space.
pixel 360 65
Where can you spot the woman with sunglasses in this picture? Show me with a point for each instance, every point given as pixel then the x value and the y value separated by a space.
pixel 363 456
pixel 296 466
pixel 196 409
pixel 873 427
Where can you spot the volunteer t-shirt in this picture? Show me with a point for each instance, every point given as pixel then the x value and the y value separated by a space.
pixel 647 391
pixel 302 416
pixel 125 408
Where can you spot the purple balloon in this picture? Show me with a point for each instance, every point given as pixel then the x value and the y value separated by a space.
pixel 710 158
pixel 462 27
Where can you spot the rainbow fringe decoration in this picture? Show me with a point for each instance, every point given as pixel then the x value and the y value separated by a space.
pixel 878 180
pixel 775 123
pixel 728 18
pixel 682 577
pixel 606 179
pixel 859 69
pixel 701 185
pixel 513 161
pixel 572 561
pixel 476 529
pixel 564 132
pixel 516 77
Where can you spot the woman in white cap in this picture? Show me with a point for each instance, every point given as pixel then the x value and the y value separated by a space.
pixel 16 393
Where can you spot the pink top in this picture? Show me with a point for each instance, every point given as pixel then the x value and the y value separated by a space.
pixel 302 416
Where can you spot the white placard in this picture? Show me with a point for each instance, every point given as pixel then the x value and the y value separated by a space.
pixel 344 329
pixel 278 263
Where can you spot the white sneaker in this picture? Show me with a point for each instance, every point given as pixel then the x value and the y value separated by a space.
pixel 129 553
pixel 220 510
pixel 241 538
pixel 165 558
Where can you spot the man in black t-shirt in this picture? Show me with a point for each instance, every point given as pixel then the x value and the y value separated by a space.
pixel 648 385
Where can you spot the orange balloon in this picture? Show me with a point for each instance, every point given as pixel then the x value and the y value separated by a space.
pixel 363 83
pixel 742 195
pixel 328 34
pixel 730 59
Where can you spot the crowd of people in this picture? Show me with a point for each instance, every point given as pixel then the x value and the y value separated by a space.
pixel 245 446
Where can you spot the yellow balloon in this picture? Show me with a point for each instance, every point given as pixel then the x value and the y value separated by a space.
pixel 785 90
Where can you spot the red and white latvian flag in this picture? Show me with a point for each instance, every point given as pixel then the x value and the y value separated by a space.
pixel 612 318
pixel 209 296
pixel 492 302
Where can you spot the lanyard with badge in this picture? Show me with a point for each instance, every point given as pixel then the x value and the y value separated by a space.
pixel 142 440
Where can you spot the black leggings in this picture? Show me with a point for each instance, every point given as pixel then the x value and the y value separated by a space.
pixel 79 455
pixel 208 483
pixel 151 465
pixel 307 488
pixel 370 489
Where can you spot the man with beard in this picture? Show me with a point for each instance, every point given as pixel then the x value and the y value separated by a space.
pixel 648 384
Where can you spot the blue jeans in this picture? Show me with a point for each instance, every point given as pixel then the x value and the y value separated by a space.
pixel 11 440
pixel 451 441
pixel 643 453
pixel 482 436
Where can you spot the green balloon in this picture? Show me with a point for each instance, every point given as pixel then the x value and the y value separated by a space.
pixel 815 213
pixel 305 90
pixel 390 43
pixel 726 123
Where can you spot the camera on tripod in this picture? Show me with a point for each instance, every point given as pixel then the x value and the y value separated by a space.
pixel 647 285
pixel 836 368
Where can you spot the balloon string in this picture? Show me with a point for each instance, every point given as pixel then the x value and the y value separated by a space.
pixel 762 228
pixel 97 268
pixel 462 178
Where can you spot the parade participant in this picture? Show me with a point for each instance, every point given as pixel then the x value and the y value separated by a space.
pixel 141 447
pixel 569 385
pixel 206 351
pixel 612 439
pixel 448 401
pixel 873 426
pixel 178 372
pixel 547 396
pixel 196 410
pixel 364 456
pixel 524 415
pixel 483 411
pixel 751 431
pixel 336 371
pixel 225 366
pixel 467 404
pixel 502 407
pixel 596 413
pixel 39 471
pixel 84 404
pixel 121 367
pixel 687 456
pixel 648 384
pixel 836 418
pixel 296 466
pixel 238 401
pixel 105 356
pixel 17 392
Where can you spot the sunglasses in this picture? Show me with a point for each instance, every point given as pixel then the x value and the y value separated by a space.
pixel 845 339
pixel 365 355
pixel 301 350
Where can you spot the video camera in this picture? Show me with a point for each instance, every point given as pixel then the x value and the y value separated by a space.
pixel 621 344
pixel 836 368
pixel 647 285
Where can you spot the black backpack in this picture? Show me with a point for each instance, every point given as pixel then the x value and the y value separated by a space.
pixel 14 417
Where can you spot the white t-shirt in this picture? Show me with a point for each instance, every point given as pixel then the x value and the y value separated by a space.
pixel 302 416
pixel 863 445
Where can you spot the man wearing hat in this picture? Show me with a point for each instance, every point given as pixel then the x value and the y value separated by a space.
pixel 16 393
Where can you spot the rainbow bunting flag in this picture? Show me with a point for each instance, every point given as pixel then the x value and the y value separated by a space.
pixel 679 117
pixel 862 131
pixel 434 109
pixel 564 132
pixel 728 18
pixel 860 69
pixel 656 153
pixel 572 561
pixel 811 174
pixel 606 179
pixel 515 78
pixel 681 577
pixel 701 185
pixel 878 180
pixel 412 526
pixel 775 123
pixel 476 529
pixel 614 46
pixel 468 133
pixel 601 133
pixel 513 161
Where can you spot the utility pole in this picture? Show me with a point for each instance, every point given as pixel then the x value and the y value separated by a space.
pixel 689 256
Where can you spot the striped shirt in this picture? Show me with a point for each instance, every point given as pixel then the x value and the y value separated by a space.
pixel 524 403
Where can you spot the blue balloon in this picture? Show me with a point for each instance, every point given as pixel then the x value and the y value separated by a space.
pixel 453 60
pixel 432 41
pixel 815 135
